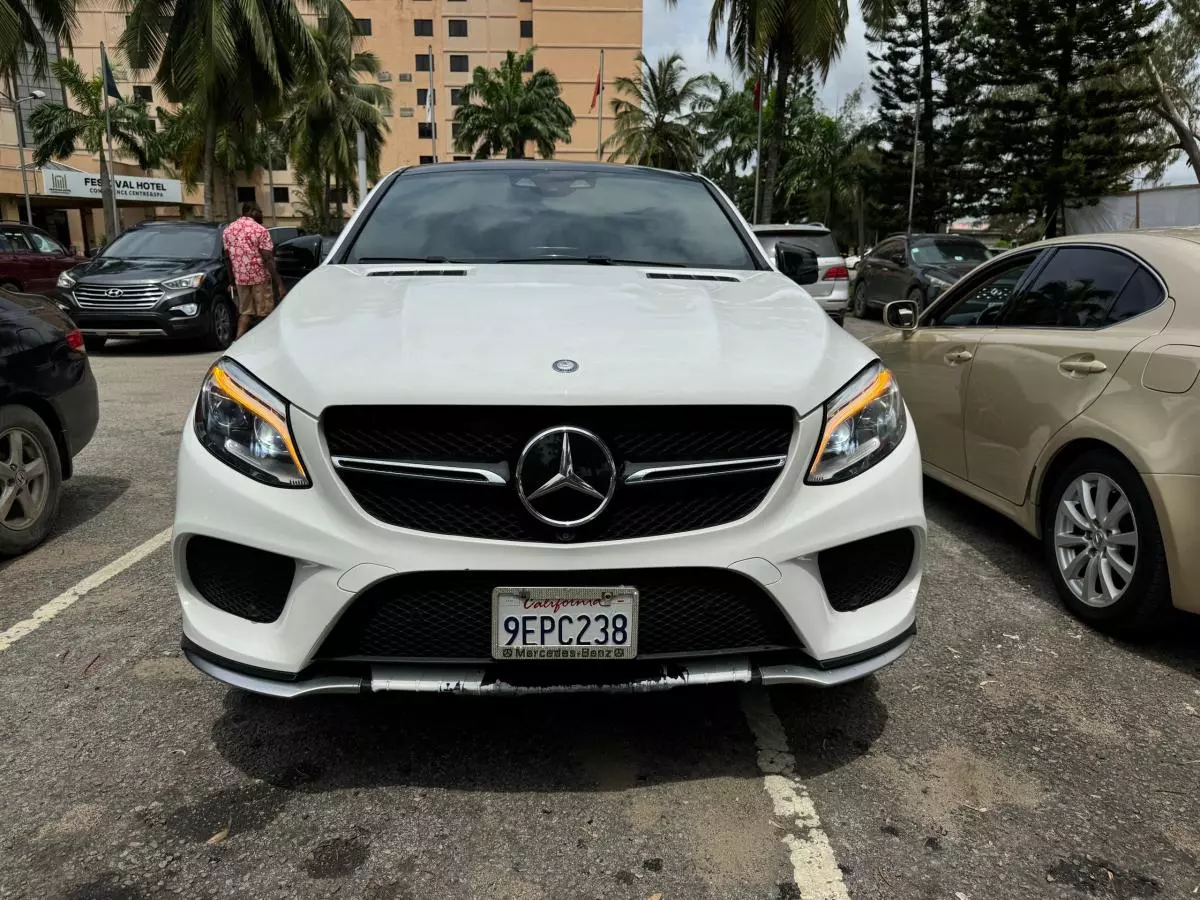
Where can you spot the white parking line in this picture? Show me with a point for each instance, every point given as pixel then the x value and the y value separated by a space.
pixel 813 865
pixel 67 599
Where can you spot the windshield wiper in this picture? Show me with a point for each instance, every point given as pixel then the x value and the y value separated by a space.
pixel 595 261
pixel 402 259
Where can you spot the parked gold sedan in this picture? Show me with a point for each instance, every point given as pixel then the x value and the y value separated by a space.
pixel 1057 384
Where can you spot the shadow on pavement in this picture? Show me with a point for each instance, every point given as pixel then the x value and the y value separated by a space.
pixel 589 743
pixel 1019 555
pixel 149 348
pixel 84 497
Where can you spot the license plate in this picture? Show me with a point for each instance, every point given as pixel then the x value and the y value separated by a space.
pixel 564 623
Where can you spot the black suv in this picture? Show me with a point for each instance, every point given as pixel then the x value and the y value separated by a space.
pixel 915 267
pixel 157 279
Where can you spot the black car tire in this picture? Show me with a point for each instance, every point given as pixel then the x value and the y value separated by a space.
pixel 10 286
pixel 222 325
pixel 94 342
pixel 917 296
pixel 1146 602
pixel 12 540
pixel 862 309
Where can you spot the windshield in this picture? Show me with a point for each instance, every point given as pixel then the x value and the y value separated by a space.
pixel 939 252
pixel 552 213
pixel 819 242
pixel 164 243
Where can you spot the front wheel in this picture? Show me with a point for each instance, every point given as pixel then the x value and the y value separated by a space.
pixel 1104 546
pixel 862 309
pixel 30 480
pixel 917 297
pixel 220 325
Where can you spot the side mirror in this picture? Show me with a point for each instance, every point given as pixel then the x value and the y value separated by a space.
pixel 901 314
pixel 798 263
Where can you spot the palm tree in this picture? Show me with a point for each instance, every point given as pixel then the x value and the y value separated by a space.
pixel 659 124
pixel 231 61
pixel 729 131
pixel 503 112
pixel 57 129
pixel 21 38
pixel 329 106
pixel 765 36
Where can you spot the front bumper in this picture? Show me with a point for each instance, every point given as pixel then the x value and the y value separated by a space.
pixel 158 322
pixel 341 552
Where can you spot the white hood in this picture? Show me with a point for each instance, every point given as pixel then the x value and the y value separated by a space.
pixel 491 336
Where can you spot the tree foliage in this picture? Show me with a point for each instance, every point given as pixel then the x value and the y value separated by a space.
pixel 21 40
pixel 659 112
pixel 503 112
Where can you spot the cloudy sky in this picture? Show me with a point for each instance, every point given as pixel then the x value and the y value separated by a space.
pixel 685 29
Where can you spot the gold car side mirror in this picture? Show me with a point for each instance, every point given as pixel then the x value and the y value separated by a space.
pixel 901 314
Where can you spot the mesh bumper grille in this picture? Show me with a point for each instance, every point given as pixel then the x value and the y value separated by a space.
pixel 446 616
pixel 240 580
pixel 498 434
pixel 860 573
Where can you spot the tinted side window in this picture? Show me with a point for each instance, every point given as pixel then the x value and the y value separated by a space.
pixel 889 251
pixel 1142 293
pixel 17 240
pixel 1074 290
pixel 981 305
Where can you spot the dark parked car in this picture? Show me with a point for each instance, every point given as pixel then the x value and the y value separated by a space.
pixel 299 256
pixel 916 267
pixel 158 279
pixel 31 260
pixel 48 413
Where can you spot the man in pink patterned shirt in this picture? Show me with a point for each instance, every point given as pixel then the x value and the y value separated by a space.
pixel 252 257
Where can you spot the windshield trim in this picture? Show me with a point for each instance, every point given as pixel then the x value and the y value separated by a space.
pixel 339 254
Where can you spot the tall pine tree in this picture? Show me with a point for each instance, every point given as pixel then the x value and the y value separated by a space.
pixel 1061 102
pixel 919 51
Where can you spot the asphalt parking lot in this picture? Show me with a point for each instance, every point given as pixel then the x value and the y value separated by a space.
pixel 1011 753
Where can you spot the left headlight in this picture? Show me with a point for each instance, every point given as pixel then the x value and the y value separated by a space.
pixel 244 424
pixel 65 280
pixel 185 282
pixel 864 422
pixel 938 284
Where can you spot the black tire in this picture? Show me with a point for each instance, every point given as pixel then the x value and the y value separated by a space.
pixel 1146 600
pixel 222 325
pixel 19 540
pixel 862 309
pixel 10 286
pixel 94 342
pixel 917 296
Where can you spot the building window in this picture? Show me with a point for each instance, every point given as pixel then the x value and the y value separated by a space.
pixel 423 62
pixel 462 159
pixel 460 62
pixel 339 195
pixel 425 130
pixel 280 195
pixel 455 130
pixel 456 96
pixel 279 163
pixel 143 92
pixel 528 64
pixel 245 195
pixel 458 27
pixel 423 27
pixel 154 124
pixel 527 28
pixel 363 26
pixel 426 160
pixel 423 96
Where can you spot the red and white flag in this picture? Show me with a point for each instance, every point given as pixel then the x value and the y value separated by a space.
pixel 758 95
pixel 595 93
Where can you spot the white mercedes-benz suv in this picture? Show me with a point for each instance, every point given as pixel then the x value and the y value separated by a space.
pixel 539 426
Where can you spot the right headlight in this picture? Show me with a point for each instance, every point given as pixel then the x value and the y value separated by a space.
pixel 243 423
pixel 65 281
pixel 864 422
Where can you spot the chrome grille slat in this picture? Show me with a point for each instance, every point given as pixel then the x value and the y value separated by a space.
pixel 133 296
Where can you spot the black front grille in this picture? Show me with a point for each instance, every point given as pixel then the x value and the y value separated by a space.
pixel 447 616
pixel 498 434
pixel 860 573
pixel 241 580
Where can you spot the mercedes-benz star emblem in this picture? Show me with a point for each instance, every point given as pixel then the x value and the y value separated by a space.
pixel 114 292
pixel 566 476
pixel 565 366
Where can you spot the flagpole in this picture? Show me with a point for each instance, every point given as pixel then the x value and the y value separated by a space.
pixel 112 182
pixel 432 107
pixel 758 153
pixel 600 110
pixel 912 185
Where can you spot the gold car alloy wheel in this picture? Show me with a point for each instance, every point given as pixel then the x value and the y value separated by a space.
pixel 1096 540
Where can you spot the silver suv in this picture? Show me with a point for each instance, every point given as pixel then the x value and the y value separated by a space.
pixel 832 288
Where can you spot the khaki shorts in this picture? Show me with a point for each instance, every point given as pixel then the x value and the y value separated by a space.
pixel 255 299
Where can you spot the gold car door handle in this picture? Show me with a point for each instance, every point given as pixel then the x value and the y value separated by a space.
pixel 959 356
pixel 1082 366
